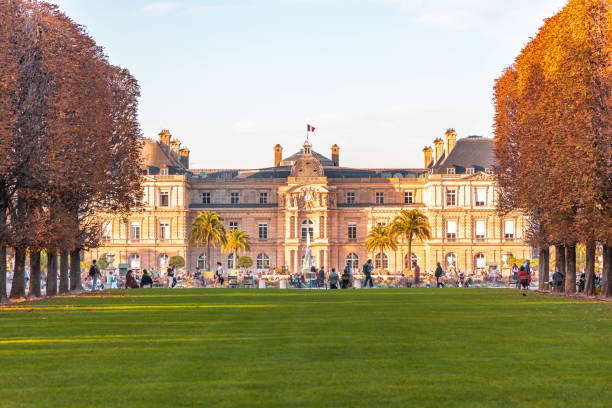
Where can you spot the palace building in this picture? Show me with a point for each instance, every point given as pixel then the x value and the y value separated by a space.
pixel 308 193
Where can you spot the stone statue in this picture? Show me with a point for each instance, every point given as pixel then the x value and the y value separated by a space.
pixel 309 260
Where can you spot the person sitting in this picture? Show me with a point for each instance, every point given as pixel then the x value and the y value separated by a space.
pixel 146 281
pixel 333 279
pixel 346 278
pixel 524 277
pixel 130 281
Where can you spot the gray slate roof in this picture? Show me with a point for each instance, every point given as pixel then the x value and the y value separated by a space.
pixel 473 151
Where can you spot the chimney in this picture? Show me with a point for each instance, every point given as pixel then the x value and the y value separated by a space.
pixel 175 145
pixel 451 140
pixel 427 155
pixel 184 152
pixel 278 155
pixel 164 137
pixel 438 149
pixel 335 151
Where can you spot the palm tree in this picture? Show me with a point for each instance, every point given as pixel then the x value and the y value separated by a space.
pixel 207 227
pixel 235 241
pixel 381 237
pixel 411 224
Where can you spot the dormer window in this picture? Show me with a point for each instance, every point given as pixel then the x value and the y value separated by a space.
pixel 450 170
pixel 489 171
pixel 470 171
pixel 164 172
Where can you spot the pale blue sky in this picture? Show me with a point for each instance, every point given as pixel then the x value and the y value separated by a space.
pixel 381 78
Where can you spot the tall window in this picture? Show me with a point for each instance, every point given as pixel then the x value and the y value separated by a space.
pixel 206 197
pixel 135 261
pixel 480 261
pixel 481 197
pixel 107 230
pixel 352 230
pixel 451 197
pixel 263 198
pixel 164 198
pixel 451 229
pixel 163 261
pixel 263 230
pixel 451 262
pixel 352 260
pixel 307 228
pixel 385 261
pixel 202 261
pixel 380 197
pixel 135 231
pixel 481 227
pixel 164 230
pixel 230 261
pixel 408 197
pixel 509 229
pixel 263 261
pixel 409 261
pixel 350 197
pixel 234 198
pixel 233 225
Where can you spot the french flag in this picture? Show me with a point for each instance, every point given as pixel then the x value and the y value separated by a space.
pixel 310 128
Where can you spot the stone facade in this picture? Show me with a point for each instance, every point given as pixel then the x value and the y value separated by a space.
pixel 307 193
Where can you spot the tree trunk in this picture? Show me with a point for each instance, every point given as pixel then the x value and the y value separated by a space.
pixel 410 253
pixel 606 276
pixel 543 272
pixel 589 270
pixel 75 271
pixel 560 263
pixel 3 296
pixel 64 279
pixel 18 286
pixel 570 279
pixel 34 290
pixel 208 256
pixel 51 273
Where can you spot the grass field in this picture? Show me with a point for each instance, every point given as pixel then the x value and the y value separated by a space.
pixel 272 348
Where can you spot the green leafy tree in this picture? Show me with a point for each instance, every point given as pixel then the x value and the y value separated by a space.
pixel 177 261
pixel 207 228
pixel 411 224
pixel 245 262
pixel 235 241
pixel 381 238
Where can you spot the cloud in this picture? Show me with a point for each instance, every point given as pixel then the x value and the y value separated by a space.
pixel 160 7
pixel 216 9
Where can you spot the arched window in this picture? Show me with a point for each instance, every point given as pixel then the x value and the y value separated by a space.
pixel 263 261
pixel 480 261
pixel 163 261
pixel 385 261
pixel 134 261
pixel 407 262
pixel 230 261
pixel 451 262
pixel 202 261
pixel 308 228
pixel 352 260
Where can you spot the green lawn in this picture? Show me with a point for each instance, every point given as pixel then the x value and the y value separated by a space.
pixel 275 348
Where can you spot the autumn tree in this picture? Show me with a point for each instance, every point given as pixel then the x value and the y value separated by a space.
pixel 552 131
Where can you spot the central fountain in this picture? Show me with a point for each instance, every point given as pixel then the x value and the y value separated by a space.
pixel 309 262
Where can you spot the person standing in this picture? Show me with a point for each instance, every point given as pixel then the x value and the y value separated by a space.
pixel 94 272
pixel 113 280
pixel 220 273
pixel 438 274
pixel 170 276
pixel 367 271
pixel 417 274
